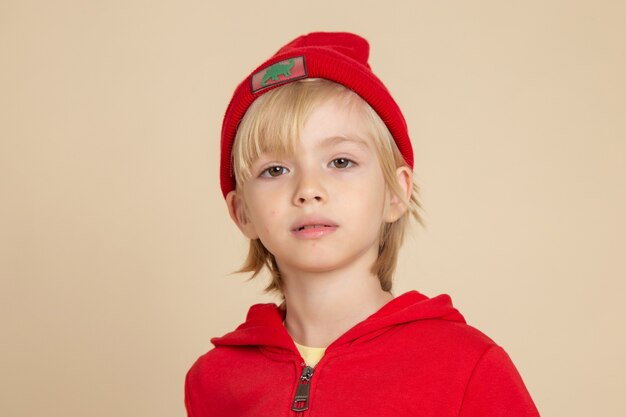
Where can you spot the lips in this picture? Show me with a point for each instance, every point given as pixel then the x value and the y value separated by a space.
pixel 312 226
pixel 313 223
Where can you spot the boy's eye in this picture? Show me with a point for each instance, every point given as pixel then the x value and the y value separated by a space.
pixel 274 171
pixel 342 163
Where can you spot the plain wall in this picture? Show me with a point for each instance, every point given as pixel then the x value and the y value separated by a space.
pixel 116 246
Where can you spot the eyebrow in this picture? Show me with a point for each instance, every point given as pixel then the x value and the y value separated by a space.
pixel 335 140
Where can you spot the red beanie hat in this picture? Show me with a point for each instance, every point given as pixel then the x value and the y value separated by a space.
pixel 336 56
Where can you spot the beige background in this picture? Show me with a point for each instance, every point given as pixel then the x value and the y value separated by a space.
pixel 115 245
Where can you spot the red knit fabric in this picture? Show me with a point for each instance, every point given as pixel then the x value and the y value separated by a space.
pixel 337 56
pixel 416 356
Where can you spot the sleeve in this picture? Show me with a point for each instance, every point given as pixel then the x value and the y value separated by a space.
pixel 188 405
pixel 495 389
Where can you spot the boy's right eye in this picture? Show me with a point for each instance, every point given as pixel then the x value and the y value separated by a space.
pixel 274 171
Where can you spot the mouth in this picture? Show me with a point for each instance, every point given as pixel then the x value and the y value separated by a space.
pixel 313 226
pixel 314 229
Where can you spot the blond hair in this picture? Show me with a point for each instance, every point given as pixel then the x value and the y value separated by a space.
pixel 272 124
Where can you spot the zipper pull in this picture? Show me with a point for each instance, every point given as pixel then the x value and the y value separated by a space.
pixel 301 400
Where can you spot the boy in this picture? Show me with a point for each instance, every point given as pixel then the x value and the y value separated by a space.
pixel 316 169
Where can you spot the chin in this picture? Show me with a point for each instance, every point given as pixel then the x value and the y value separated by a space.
pixel 312 265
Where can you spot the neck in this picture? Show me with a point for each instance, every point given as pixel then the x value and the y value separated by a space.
pixel 321 306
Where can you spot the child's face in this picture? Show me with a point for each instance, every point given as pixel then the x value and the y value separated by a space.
pixel 333 184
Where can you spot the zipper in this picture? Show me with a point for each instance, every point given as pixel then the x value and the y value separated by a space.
pixel 301 399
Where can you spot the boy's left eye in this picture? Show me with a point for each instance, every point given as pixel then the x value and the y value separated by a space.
pixel 342 163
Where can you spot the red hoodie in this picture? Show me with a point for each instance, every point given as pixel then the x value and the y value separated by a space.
pixel 415 356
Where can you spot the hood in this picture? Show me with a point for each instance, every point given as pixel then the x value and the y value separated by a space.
pixel 264 322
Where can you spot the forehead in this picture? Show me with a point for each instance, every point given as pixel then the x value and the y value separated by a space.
pixel 333 123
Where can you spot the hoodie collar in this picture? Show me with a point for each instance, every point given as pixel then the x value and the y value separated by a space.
pixel 264 322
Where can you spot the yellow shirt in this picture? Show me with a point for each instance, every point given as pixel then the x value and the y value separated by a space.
pixel 311 355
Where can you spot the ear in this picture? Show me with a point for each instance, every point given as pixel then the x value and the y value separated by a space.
pixel 238 212
pixel 395 208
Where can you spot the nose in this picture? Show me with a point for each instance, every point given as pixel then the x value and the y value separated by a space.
pixel 309 189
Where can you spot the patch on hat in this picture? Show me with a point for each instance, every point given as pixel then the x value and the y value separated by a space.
pixel 281 72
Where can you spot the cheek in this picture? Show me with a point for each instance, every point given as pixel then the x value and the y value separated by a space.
pixel 266 218
pixel 372 189
pixel 272 215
